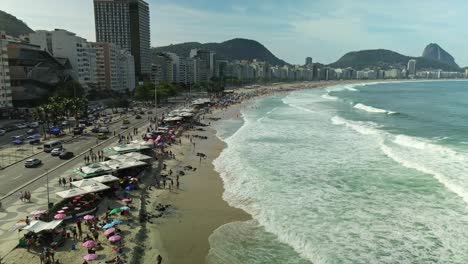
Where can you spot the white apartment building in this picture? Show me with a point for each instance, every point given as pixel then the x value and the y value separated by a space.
pixel 5 85
pixel 64 44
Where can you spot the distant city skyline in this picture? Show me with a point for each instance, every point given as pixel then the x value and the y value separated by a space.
pixel 292 30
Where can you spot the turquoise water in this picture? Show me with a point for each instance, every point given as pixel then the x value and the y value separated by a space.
pixel 348 174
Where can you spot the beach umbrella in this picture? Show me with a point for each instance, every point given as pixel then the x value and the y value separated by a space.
pixel 90 257
pixel 114 239
pixel 88 217
pixel 125 208
pixel 107 226
pixel 39 212
pixel 109 231
pixel 89 244
pixel 117 222
pixel 115 211
pixel 60 216
pixel 130 188
pixel 127 200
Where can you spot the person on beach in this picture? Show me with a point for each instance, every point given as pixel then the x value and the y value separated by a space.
pixel 159 259
pixel 74 233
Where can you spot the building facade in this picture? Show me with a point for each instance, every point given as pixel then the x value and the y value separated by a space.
pixel 126 23
pixel 5 85
pixel 412 68
pixel 64 44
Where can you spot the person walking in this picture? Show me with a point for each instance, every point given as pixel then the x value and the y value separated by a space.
pixel 159 259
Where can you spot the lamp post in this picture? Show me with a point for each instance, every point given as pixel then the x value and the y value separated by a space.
pixel 156 105
pixel 47 184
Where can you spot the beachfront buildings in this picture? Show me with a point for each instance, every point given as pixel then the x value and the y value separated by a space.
pixel 5 85
pixel 64 44
pixel 126 23
pixel 115 68
pixel 411 68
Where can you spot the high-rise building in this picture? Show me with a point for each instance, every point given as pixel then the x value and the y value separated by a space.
pixel 115 68
pixel 205 64
pixel 126 23
pixel 5 85
pixel 412 68
pixel 64 44
pixel 308 62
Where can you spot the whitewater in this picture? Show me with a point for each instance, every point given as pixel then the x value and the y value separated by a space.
pixel 334 176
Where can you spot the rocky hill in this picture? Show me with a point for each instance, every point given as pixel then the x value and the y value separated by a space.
pixel 234 49
pixel 12 25
pixel 435 52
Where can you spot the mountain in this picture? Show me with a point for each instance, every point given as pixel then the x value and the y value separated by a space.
pixel 234 49
pixel 435 52
pixel 12 25
pixel 387 59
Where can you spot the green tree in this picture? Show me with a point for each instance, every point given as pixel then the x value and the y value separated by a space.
pixel 144 92
pixel 69 89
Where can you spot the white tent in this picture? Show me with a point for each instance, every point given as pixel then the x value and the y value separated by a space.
pixel 37 226
pixel 91 170
pixel 105 178
pixel 96 187
pixel 83 183
pixel 137 156
pixel 128 163
pixel 71 193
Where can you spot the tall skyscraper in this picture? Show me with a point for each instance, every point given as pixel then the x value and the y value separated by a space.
pixel 308 61
pixel 411 68
pixel 126 23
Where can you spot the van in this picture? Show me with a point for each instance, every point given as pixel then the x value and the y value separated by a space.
pixel 49 146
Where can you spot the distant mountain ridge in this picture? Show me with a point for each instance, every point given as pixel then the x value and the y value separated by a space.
pixel 234 49
pixel 13 26
pixel 386 59
pixel 435 52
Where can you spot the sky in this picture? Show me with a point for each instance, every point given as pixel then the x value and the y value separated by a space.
pixel 291 29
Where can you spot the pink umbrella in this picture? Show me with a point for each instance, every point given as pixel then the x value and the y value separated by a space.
pixel 89 244
pixel 114 239
pixel 109 231
pixel 127 200
pixel 90 257
pixel 60 216
pixel 39 212
pixel 88 217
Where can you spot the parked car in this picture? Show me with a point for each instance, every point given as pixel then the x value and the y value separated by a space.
pixel 57 151
pixel 66 155
pixel 138 117
pixel 103 130
pixel 35 141
pixel 32 163
pixel 124 127
pixel 2 132
pixel 101 136
pixel 33 125
pixel 31 131
pixel 21 126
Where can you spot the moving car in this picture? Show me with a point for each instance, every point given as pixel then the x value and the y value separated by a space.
pixel 66 155
pixel 138 117
pixel 32 163
pixel 103 130
pixel 21 126
pixel 124 127
pixel 49 146
pixel 57 151
pixel 101 136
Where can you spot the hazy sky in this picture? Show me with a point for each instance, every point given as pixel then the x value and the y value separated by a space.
pixel 292 30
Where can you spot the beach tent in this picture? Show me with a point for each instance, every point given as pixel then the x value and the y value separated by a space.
pixel 37 226
pixel 121 165
pixel 126 148
pixel 105 178
pixel 83 183
pixel 93 170
pixel 96 187
pixel 138 156
pixel 71 193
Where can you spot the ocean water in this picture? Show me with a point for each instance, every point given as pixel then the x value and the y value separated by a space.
pixel 373 173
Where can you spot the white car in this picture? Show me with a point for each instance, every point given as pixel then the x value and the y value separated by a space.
pixel 2 132
pixel 33 125
pixel 65 123
pixel 21 126
pixel 57 151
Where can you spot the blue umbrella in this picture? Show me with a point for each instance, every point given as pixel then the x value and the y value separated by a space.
pixel 107 226
pixel 129 188
pixel 55 131
pixel 17 142
pixel 116 222
pixel 125 208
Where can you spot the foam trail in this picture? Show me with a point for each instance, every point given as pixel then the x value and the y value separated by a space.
pixel 371 109
pixel 329 97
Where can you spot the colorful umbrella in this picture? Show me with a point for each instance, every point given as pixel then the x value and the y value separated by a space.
pixel 109 231
pixel 117 222
pixel 127 200
pixel 129 188
pixel 90 257
pixel 115 211
pixel 114 239
pixel 89 244
pixel 88 217
pixel 107 226
pixel 60 216
pixel 39 212
pixel 125 208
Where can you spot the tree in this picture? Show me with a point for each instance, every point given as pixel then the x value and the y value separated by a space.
pixel 69 89
pixel 144 92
